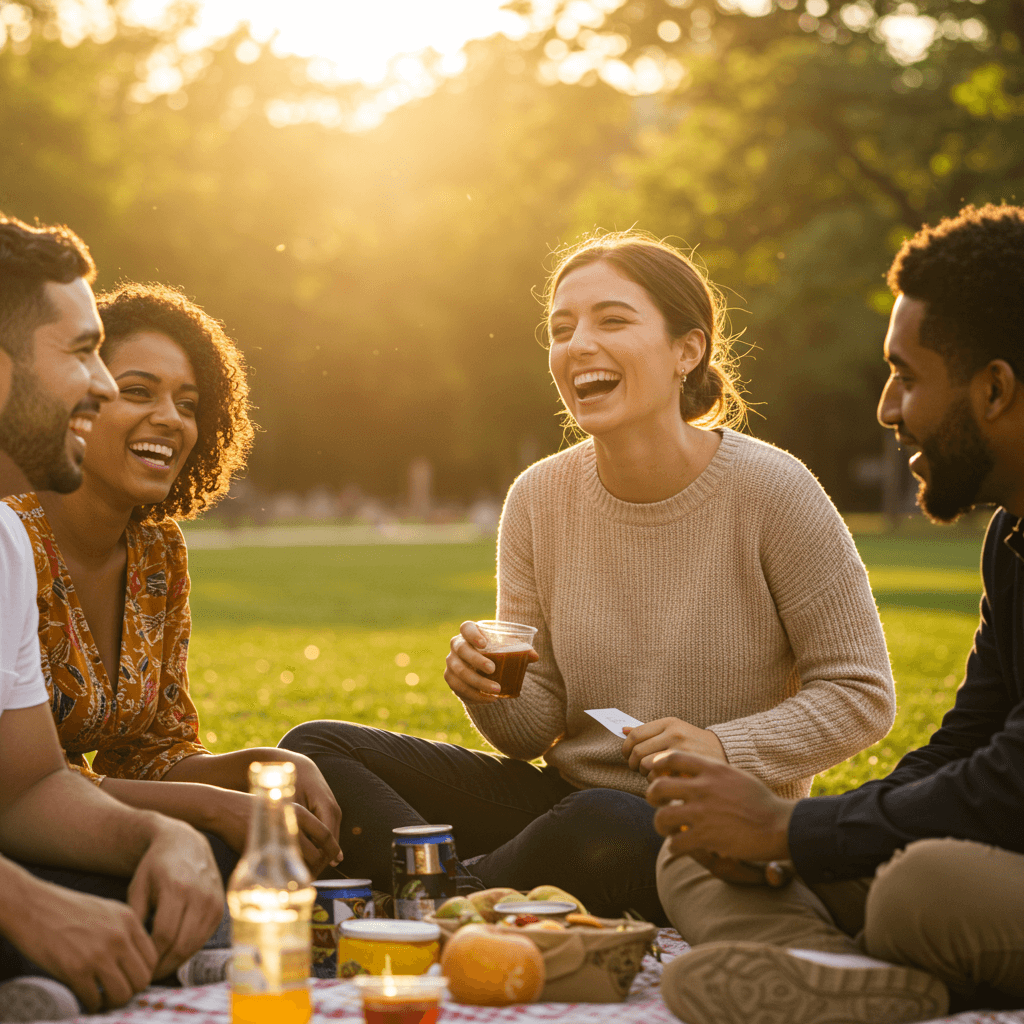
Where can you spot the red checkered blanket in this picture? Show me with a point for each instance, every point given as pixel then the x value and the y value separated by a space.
pixel 338 1001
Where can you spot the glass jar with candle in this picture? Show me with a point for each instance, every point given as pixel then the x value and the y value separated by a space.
pixel 401 999
pixel 271 899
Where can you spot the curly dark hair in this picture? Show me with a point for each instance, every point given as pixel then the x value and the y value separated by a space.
pixel 29 258
pixel 222 416
pixel 686 299
pixel 969 270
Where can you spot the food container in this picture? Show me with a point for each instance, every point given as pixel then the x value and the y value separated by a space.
pixel 401 998
pixel 337 900
pixel 423 869
pixel 552 910
pixel 581 964
pixel 371 947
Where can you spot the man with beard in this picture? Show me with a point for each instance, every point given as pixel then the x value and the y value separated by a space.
pixel 910 889
pixel 78 920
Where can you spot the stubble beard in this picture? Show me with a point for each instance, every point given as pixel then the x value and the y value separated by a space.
pixel 959 460
pixel 33 432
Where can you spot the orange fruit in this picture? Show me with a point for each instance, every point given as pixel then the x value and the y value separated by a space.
pixel 487 967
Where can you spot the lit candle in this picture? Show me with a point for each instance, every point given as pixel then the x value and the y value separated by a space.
pixel 401 998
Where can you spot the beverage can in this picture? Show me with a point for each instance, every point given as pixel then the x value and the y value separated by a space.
pixel 423 869
pixel 337 900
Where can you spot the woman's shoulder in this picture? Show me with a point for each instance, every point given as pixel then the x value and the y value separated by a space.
pixel 160 541
pixel 554 472
pixel 773 472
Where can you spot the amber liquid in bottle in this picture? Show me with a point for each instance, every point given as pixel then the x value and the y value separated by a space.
pixel 271 899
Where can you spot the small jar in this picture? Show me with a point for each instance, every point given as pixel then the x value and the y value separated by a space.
pixel 368 946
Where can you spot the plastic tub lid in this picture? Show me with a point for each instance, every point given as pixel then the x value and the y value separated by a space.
pixel 539 908
pixel 342 883
pixel 415 831
pixel 381 929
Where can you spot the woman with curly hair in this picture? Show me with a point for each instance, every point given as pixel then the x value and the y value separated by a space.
pixel 113 580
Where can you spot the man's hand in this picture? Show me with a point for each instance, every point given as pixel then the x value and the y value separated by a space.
pixel 645 742
pixel 97 947
pixel 773 873
pixel 705 805
pixel 177 881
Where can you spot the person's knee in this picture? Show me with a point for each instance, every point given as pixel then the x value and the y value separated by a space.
pixel 602 830
pixel 908 899
pixel 318 736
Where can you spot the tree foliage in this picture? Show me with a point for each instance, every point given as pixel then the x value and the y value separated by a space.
pixel 381 282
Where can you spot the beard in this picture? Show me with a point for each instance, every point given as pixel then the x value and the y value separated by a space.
pixel 33 432
pixel 958 460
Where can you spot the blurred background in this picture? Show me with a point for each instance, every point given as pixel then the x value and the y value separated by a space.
pixel 369 192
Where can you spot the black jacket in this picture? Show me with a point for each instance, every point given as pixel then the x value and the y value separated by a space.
pixel 968 782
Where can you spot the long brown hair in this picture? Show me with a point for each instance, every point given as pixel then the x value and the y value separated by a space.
pixel 687 300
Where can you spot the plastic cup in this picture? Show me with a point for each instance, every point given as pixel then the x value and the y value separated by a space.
pixel 401 998
pixel 508 646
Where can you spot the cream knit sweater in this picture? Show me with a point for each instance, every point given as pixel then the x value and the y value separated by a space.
pixel 739 605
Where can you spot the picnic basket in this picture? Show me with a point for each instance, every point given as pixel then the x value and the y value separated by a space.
pixel 584 965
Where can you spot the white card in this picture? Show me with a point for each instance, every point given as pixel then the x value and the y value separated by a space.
pixel 613 719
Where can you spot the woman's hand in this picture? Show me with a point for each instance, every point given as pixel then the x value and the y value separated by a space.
pixel 230 821
pixel 465 665
pixel 644 741
pixel 313 793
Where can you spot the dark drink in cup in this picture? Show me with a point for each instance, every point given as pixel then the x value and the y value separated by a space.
pixel 508 646
pixel 509 669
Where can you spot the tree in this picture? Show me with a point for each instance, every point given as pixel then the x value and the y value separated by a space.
pixel 796 158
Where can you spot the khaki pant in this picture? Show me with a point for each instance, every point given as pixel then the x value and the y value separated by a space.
pixel 947 906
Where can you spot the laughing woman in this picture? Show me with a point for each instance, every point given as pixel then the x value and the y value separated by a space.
pixel 113 581
pixel 695 578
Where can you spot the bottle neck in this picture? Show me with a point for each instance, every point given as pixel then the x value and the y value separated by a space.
pixel 272 858
pixel 272 823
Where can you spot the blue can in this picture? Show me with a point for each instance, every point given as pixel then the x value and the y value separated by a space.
pixel 337 900
pixel 423 869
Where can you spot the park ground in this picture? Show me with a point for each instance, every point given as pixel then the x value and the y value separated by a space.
pixel 360 632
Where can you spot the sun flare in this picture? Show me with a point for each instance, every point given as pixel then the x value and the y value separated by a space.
pixel 360 38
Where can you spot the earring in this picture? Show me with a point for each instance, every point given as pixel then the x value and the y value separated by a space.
pixel 682 382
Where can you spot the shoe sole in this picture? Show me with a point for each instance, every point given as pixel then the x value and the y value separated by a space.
pixel 750 983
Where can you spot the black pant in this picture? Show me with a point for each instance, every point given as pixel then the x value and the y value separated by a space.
pixel 526 824
pixel 14 964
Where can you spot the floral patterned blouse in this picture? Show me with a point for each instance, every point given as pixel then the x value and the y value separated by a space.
pixel 143 722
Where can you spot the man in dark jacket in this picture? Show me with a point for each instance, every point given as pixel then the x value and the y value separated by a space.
pixel 910 889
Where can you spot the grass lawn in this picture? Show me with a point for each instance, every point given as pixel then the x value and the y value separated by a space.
pixel 283 635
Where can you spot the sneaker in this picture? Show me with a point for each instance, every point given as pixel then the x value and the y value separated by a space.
pixel 31 998
pixel 207 967
pixel 744 982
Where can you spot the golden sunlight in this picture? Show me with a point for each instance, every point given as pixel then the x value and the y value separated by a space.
pixel 358 40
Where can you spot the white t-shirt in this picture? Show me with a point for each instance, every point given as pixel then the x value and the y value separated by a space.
pixel 21 672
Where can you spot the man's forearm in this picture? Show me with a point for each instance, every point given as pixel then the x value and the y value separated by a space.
pixel 64 821
pixel 18 891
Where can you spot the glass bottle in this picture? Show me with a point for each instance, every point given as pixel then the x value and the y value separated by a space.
pixel 271 900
